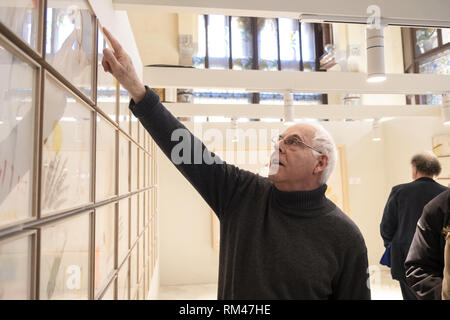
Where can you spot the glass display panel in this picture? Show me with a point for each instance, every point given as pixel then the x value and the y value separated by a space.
pixel 15 268
pixel 123 232
pixel 289 44
pixel 218 42
pixel 17 115
pixel 123 282
pixel 241 43
pixel 141 212
pixel 141 259
pixel 66 158
pixel 134 217
pixel 124 111
pixel 267 44
pixel 133 272
pixel 134 127
pixel 141 290
pixel 69 43
pixel 107 85
pixel 64 269
pixel 141 169
pixel 124 184
pixel 22 18
pixel 104 244
pixel 134 167
pixel 109 293
pixel 105 184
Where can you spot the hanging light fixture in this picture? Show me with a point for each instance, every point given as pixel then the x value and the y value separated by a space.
pixel 376 130
pixel 445 109
pixel 375 54
pixel 288 109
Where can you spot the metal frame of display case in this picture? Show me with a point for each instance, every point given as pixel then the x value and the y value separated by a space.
pixel 32 226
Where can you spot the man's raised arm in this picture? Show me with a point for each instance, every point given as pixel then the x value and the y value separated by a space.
pixel 216 182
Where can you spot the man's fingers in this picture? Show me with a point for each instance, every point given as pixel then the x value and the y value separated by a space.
pixel 106 66
pixel 110 60
pixel 112 41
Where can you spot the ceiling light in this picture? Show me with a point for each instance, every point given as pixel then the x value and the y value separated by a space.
pixel 375 54
pixel 288 109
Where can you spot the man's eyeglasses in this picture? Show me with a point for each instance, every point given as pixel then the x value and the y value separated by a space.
pixel 292 140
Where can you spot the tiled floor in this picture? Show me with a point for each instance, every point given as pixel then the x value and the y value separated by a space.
pixel 382 287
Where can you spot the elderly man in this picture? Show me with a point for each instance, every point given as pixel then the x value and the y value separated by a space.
pixel 281 238
pixel 403 210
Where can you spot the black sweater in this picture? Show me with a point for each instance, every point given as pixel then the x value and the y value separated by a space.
pixel 273 244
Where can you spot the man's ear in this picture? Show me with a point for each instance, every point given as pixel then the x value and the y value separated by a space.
pixel 322 163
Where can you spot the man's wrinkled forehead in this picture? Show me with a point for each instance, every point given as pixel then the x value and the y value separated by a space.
pixel 304 131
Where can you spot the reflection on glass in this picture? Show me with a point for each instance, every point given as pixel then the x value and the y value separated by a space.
pixel 267 44
pixel 17 112
pixel 69 43
pixel 22 18
pixel 124 111
pixel 104 244
pixel 123 164
pixel 289 44
pixel 242 43
pixel 218 42
pixel 426 39
pixel 123 229
pixel 134 218
pixel 308 47
pixel 106 87
pixel 65 260
pixel 123 282
pixel 66 159
pixel 15 269
pixel 134 167
pixel 105 160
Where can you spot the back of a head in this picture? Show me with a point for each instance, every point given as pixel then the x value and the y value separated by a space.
pixel 426 163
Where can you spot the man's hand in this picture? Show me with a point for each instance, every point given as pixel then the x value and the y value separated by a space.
pixel 119 64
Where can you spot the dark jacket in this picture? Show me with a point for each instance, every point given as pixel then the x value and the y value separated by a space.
pixel 425 261
pixel 403 210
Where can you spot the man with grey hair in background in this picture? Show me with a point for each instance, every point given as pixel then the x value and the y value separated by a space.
pixel 280 237
pixel 403 210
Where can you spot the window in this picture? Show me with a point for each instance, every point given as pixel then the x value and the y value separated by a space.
pixel 426 50
pixel 244 43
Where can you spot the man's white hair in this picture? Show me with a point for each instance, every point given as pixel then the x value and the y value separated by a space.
pixel 324 142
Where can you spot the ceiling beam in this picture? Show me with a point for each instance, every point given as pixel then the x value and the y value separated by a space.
pixel 432 12
pixel 335 112
pixel 294 81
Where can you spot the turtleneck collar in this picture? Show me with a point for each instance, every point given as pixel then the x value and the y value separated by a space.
pixel 303 203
